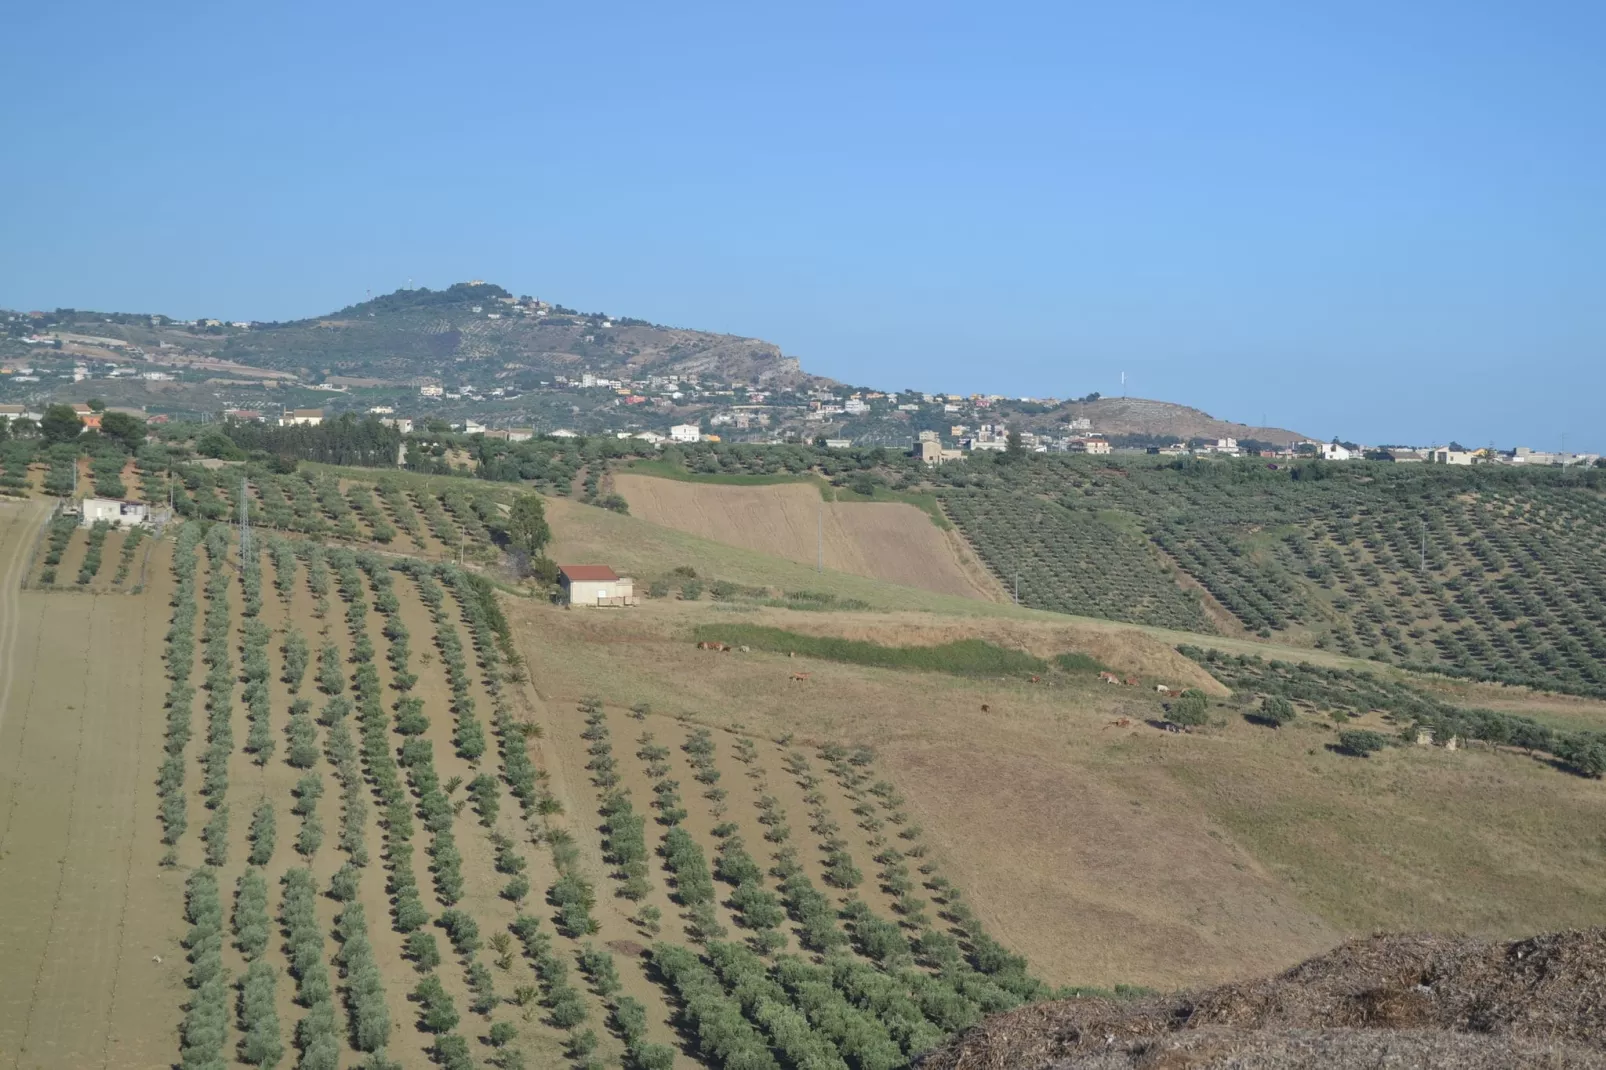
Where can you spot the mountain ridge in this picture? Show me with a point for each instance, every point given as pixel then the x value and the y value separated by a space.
pixel 416 335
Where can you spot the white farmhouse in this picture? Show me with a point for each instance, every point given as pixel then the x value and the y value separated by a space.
pixel 115 511
pixel 301 418
pixel 686 433
pixel 595 585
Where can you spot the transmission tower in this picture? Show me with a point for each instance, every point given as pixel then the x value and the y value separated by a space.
pixel 245 521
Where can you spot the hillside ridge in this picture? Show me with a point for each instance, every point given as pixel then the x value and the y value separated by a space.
pixel 412 336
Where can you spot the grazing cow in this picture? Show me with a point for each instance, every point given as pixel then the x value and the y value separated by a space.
pixel 986 708
pixel 1132 681
pixel 1119 722
pixel 1109 678
pixel 705 645
pixel 1164 689
pixel 801 677
pixel 1036 679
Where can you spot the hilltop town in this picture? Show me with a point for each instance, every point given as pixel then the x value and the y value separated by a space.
pixel 477 359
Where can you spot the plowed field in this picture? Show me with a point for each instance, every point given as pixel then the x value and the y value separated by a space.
pixel 883 540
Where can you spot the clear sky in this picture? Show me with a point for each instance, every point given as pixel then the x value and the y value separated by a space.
pixel 1381 220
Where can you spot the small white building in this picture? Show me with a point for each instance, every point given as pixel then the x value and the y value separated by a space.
pixel 1332 451
pixel 404 424
pixel 119 513
pixel 686 433
pixel 19 412
pixel 301 418
pixel 1445 455
pixel 473 427
pixel 838 443
pixel 595 585
pixel 431 390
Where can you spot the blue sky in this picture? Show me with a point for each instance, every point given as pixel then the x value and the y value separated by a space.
pixel 1380 220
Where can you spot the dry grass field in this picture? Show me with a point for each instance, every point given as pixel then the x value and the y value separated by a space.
pixel 882 540
pixel 1114 854
pixel 453 871
pixel 85 905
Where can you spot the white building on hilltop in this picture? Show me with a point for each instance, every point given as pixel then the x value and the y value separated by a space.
pixel 686 433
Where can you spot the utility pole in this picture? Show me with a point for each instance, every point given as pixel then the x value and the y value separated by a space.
pixel 1424 548
pixel 461 536
pixel 1017 586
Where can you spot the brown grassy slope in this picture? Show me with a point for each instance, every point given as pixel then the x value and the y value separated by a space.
pixel 1142 416
pixel 1125 854
pixel 883 540
pixel 1539 1001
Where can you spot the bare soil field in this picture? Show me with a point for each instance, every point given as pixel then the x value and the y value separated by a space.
pixel 884 540
pixel 87 909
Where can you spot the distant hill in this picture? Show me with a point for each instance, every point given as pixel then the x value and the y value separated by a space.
pixel 1159 419
pixel 471 328
pixel 426 333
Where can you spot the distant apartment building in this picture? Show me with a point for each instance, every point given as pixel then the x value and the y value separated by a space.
pixel 686 433
pixel 431 390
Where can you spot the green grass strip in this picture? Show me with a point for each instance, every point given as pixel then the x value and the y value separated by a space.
pixel 966 657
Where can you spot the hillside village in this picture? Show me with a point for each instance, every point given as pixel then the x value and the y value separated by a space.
pixel 613 376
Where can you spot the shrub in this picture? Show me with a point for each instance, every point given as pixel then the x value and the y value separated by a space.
pixel 1191 709
pixel 1278 710
pixel 1361 742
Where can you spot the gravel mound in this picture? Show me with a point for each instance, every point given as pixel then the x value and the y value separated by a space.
pixel 1387 1001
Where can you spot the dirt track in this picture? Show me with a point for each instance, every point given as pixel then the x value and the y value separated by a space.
pixel 883 540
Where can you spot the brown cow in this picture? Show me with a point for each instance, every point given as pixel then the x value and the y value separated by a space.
pixel 801 677
pixel 1036 679
pixel 986 708
pixel 1120 722
pixel 1132 681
